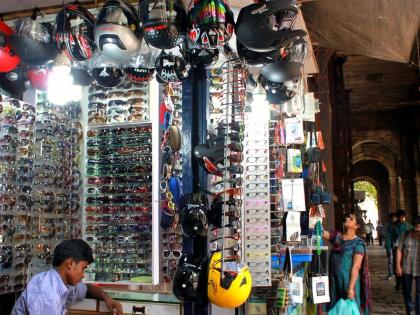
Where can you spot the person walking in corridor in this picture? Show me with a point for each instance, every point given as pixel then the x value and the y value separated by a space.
pixel 380 232
pixel 348 266
pixel 408 266
pixel 369 231
pixel 390 238
pixel 402 226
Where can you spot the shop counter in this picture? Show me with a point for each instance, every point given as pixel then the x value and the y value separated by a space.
pixel 139 303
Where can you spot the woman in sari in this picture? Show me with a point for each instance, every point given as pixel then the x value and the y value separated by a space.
pixel 348 270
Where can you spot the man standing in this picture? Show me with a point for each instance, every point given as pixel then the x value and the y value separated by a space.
pixel 408 266
pixel 401 227
pixel 369 230
pixel 380 232
pixel 390 237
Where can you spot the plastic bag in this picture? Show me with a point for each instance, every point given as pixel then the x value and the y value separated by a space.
pixel 345 307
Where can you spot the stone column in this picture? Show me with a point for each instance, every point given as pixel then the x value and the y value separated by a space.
pixel 418 192
pixel 393 191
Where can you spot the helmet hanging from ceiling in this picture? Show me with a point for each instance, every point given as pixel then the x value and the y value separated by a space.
pixel 117 33
pixel 171 68
pixel 202 57
pixel 211 23
pixel 267 25
pixel 39 77
pixel 105 71
pixel 231 288
pixel 189 281
pixel 164 22
pixel 15 82
pixel 8 59
pixel 141 67
pixel 33 41
pixel 75 26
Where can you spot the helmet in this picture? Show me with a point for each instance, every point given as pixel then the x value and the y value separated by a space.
pixel 280 80
pixel 107 76
pixel 39 77
pixel 188 281
pixel 203 57
pixel 138 75
pixel 170 68
pixel 75 25
pixel 14 83
pixel 116 31
pixel 211 23
pixel 80 74
pixel 8 60
pixel 267 25
pixel 163 22
pixel 231 289
pixel 194 220
pixel 295 51
pixel 33 41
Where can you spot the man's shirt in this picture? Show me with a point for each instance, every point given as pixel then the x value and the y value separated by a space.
pixel 410 247
pixel 46 294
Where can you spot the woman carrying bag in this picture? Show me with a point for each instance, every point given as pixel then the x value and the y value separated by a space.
pixel 348 268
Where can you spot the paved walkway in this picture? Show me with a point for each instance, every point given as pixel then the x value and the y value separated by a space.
pixel 385 299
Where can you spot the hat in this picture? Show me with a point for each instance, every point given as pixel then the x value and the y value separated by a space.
pixel 401 213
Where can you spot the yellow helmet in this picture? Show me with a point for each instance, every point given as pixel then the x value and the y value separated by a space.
pixel 233 288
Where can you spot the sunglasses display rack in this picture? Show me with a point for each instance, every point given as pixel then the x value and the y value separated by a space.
pixel 257 202
pixel 127 103
pixel 16 144
pixel 226 134
pixel 57 181
pixel 170 179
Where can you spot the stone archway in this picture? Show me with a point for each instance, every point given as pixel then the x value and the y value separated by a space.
pixel 376 173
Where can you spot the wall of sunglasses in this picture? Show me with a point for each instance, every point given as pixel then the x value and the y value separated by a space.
pixel 127 103
pixel 170 179
pixel 17 121
pixel 257 200
pixel 57 181
pixel 226 135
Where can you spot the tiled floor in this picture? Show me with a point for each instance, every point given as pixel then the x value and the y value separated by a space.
pixel 385 299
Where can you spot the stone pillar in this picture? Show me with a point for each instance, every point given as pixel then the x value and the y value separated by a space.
pixel 418 192
pixel 393 193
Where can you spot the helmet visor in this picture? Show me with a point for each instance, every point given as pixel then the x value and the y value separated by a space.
pixel 33 29
pixel 160 11
pixel 114 15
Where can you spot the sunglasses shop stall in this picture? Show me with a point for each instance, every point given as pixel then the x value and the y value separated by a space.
pixel 179 141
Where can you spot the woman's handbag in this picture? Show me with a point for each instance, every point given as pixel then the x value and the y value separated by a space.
pixel 345 307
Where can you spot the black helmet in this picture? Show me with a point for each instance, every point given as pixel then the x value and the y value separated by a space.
pixel 15 82
pixel 295 51
pixel 81 75
pixel 194 220
pixel 171 68
pixel 163 22
pixel 75 25
pixel 107 76
pixel 117 32
pixel 267 25
pixel 211 23
pixel 139 74
pixel 188 284
pixel 33 41
pixel 203 57
pixel 280 80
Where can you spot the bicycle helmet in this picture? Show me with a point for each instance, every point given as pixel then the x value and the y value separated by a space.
pixel 194 220
pixel 33 41
pixel 267 25
pixel 188 284
pixel 75 25
pixel 230 289
pixel 163 22
pixel 15 82
pixel 117 30
pixel 39 77
pixel 211 23
pixel 8 60
pixel 171 68
pixel 203 57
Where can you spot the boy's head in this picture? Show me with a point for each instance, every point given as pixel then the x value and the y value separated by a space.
pixel 393 217
pixel 401 215
pixel 72 257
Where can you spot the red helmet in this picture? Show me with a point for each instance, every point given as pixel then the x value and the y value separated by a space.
pixel 39 78
pixel 8 60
